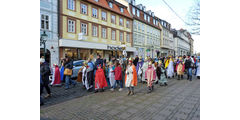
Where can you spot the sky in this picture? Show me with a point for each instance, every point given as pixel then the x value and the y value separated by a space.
pixel 162 11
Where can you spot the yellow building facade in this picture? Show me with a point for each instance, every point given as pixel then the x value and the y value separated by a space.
pixel 91 27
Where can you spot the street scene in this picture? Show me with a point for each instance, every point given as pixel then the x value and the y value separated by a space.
pixel 119 59
pixel 179 101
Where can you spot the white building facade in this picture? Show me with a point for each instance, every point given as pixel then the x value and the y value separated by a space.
pixel 182 43
pixel 49 24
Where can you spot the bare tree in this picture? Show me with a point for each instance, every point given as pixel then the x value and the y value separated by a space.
pixel 193 18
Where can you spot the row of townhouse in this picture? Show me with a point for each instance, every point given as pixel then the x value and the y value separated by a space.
pixel 81 28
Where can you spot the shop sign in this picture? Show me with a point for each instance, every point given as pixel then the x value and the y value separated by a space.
pixel 114 48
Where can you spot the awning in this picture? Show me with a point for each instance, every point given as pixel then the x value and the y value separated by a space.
pixel 90 45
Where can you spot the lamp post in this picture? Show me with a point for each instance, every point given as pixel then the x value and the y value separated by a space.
pixel 43 40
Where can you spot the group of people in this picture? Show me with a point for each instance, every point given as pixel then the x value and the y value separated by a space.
pixel 122 71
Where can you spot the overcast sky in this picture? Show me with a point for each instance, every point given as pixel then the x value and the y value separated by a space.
pixel 161 10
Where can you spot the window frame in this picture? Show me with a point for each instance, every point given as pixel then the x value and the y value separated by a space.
pixel 68 25
pixel 103 27
pixel 81 8
pixel 122 21
pixel 115 34
pixel 122 36
pixel 74 1
pixel 115 19
pixel 134 12
pixel 127 23
pixel 138 13
pixel 44 21
pixel 103 11
pixel 95 25
pixel 96 14
pixel 127 37
pixel 86 27
pixel 110 5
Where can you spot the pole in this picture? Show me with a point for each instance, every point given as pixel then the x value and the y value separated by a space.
pixel 44 51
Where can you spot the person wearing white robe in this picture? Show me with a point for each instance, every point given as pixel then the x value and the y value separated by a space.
pixel 144 68
pixel 170 69
pixel 198 68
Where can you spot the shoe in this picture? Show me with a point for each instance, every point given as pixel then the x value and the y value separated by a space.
pixel 120 89
pixel 165 84
pixel 95 91
pixel 66 88
pixel 132 93
pixel 74 85
pixel 112 89
pixel 129 92
pixel 48 95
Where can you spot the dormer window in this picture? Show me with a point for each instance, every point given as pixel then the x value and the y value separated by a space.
pixel 121 9
pixel 133 10
pixel 138 14
pixel 110 5
pixel 96 0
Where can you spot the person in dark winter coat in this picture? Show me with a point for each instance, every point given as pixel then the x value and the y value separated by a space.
pixel 44 74
pixel 188 67
pixel 69 65
pixel 135 61
pixel 99 61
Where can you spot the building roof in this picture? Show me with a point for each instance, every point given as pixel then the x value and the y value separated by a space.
pixel 115 9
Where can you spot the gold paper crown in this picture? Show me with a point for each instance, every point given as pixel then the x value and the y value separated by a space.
pixel 130 59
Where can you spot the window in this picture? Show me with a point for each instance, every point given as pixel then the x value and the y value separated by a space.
pixel 128 24
pixel 113 19
pixel 145 16
pixel 133 10
pixel 148 18
pixel 94 31
pixel 83 8
pixel 121 36
pixel 143 27
pixel 121 9
pixel 138 14
pixel 96 0
pixel 84 28
pixel 121 21
pixel 113 35
pixel 45 22
pixel 154 22
pixel 139 26
pixel 128 37
pixel 134 25
pixel 110 5
pixel 94 12
pixel 71 4
pixel 104 32
pixel 71 26
pixel 104 16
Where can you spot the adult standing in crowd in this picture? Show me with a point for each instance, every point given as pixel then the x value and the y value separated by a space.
pixel 188 66
pixel 139 69
pixel 99 61
pixel 68 67
pixel 44 73
pixel 144 68
pixel 136 60
pixel 90 72
pixel 198 68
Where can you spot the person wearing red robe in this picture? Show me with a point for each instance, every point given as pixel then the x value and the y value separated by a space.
pixel 57 78
pixel 150 76
pixel 100 80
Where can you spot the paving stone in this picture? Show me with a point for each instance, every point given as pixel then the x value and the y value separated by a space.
pixel 178 101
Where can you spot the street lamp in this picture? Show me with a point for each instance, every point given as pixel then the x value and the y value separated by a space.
pixel 43 40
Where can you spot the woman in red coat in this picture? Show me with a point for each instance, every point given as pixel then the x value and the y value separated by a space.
pixel 118 76
pixel 100 80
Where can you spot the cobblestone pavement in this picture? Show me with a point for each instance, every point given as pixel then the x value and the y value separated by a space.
pixel 180 100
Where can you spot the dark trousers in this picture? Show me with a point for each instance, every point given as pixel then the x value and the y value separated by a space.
pixel 90 78
pixel 119 82
pixel 130 88
pixel 45 84
pixel 180 76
